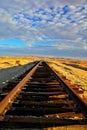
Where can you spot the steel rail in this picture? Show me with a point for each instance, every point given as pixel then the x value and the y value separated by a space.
pixel 9 99
pixel 81 104
pixel 42 98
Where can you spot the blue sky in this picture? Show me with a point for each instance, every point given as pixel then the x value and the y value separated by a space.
pixel 12 43
pixel 55 28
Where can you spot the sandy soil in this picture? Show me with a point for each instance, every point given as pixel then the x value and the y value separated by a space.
pixel 6 61
pixel 74 127
pixel 74 70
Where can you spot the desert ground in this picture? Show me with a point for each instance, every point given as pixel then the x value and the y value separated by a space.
pixel 7 61
pixel 73 70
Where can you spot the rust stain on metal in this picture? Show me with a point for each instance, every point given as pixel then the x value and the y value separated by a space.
pixel 5 104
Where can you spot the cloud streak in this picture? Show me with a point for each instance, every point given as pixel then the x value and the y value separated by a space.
pixel 44 21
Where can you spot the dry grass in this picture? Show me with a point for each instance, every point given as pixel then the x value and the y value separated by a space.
pixel 6 61
pixel 74 127
pixel 74 71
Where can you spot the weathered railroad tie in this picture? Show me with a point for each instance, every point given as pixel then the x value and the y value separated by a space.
pixel 41 99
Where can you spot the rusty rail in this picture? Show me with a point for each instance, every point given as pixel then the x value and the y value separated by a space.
pixel 9 99
pixel 81 104
pixel 42 98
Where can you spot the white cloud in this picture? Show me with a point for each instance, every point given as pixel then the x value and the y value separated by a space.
pixel 85 47
pixel 17 20
pixel 74 2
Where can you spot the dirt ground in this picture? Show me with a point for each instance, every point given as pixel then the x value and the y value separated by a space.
pixel 74 127
pixel 6 61
pixel 74 70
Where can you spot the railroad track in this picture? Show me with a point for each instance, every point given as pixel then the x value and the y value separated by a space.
pixel 39 98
